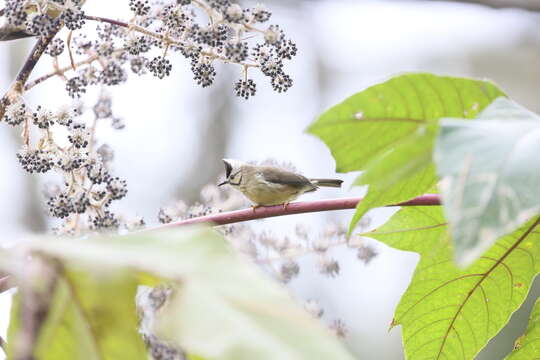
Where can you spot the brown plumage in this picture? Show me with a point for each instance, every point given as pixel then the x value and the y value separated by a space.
pixel 270 185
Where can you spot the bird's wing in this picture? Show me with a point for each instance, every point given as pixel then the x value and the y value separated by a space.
pixel 280 176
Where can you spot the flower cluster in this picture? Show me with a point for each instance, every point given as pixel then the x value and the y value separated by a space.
pixel 204 32
pixel 41 18
pixel 89 187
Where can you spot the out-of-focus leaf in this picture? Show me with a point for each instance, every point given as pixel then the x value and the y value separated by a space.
pixel 92 316
pixel 490 182
pixel 388 130
pixel 527 347
pixel 448 312
pixel 223 307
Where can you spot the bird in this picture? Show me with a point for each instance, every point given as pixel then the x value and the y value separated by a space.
pixel 270 185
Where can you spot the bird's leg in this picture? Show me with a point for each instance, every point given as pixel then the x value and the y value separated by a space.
pixel 285 205
pixel 255 206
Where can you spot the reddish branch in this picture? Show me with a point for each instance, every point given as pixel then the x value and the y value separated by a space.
pixel 295 208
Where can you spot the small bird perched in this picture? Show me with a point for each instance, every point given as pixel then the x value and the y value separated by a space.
pixel 270 185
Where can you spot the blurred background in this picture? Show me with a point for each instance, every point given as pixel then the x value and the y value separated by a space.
pixel 177 133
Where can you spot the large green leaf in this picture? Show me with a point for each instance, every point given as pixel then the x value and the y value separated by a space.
pixel 527 347
pixel 223 307
pixel 388 130
pixel 448 312
pixel 374 120
pixel 490 181
pixel 91 316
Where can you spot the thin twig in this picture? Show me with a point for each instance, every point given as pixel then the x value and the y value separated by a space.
pixel 294 208
pixel 17 88
pixel 163 37
pixel 62 70
pixel 106 20
pixel 70 53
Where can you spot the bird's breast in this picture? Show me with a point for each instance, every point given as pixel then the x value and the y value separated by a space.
pixel 262 192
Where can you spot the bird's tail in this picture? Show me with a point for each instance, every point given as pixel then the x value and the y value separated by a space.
pixel 327 182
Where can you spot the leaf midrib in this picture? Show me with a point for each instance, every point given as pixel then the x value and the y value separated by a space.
pixel 485 276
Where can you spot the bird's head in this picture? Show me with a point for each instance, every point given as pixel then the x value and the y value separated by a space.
pixel 233 171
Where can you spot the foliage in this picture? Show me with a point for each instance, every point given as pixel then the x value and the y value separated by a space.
pixel 221 307
pixel 448 312
pixel 388 130
pixel 91 316
pixel 411 132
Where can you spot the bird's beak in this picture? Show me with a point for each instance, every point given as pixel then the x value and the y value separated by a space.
pixel 223 183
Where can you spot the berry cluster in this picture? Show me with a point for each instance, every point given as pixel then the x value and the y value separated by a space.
pixel 41 18
pixel 227 37
pixel 203 31
pixel 55 48
pixel 89 186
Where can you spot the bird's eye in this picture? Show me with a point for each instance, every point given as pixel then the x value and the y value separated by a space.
pixel 235 178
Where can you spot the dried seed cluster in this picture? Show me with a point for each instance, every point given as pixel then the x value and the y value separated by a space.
pixel 203 31
pixel 89 188
pixel 42 17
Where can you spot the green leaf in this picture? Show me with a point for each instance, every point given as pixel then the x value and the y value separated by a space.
pixel 489 185
pixel 394 167
pixel 527 347
pixel 448 312
pixel 397 176
pixel 388 130
pixel 223 307
pixel 92 315
pixel 373 121
pixel 400 191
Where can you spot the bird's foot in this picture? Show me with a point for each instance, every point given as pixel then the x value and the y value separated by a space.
pixel 285 205
pixel 253 207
